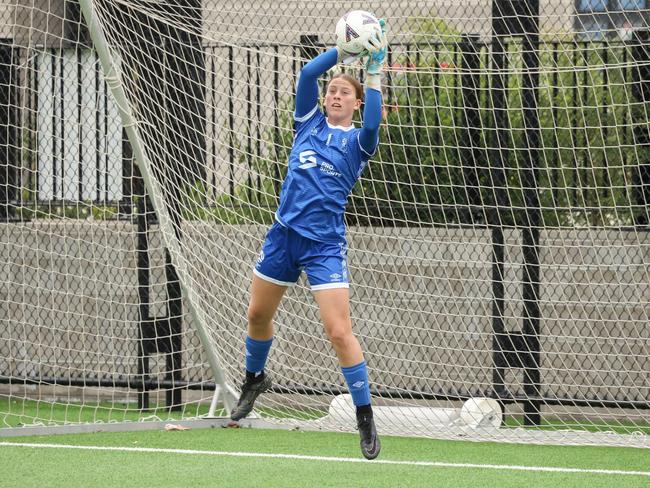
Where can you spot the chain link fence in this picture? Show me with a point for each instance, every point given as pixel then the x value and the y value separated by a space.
pixel 498 241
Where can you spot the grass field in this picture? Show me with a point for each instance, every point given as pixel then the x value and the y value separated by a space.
pixel 272 458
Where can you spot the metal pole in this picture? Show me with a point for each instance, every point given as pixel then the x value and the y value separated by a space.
pixel 640 54
pixel 470 150
pixel 143 291
pixel 8 127
pixel 531 226
pixel 499 205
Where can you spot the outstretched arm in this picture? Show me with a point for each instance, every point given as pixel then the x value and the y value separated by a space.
pixel 369 135
pixel 307 90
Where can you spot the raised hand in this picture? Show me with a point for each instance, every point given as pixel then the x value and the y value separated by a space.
pixel 377 47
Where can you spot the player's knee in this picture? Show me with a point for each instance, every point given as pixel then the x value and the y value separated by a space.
pixel 258 318
pixel 340 336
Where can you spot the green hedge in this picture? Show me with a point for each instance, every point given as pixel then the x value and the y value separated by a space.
pixel 584 165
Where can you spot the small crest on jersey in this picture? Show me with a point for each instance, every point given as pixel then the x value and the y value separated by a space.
pixel 350 33
pixel 361 168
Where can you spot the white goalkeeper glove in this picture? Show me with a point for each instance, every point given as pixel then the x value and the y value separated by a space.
pixel 377 52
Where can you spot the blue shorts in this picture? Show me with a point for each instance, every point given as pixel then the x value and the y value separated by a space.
pixel 286 253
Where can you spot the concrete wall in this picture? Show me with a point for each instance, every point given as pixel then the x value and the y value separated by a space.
pixel 421 302
pixel 282 21
pixel 41 21
pixel 32 22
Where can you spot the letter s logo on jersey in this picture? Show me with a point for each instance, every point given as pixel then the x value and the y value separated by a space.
pixel 308 159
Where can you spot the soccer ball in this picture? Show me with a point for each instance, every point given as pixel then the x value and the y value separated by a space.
pixel 354 29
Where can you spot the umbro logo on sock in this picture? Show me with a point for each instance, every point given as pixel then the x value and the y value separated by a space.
pixel 358 384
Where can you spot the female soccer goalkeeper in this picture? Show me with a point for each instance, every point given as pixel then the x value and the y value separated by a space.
pixel 326 160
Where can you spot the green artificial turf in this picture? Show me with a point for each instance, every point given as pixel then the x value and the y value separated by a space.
pixel 69 468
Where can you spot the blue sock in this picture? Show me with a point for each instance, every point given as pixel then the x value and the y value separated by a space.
pixel 357 379
pixel 256 354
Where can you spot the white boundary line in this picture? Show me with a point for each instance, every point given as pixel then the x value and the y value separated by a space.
pixel 432 464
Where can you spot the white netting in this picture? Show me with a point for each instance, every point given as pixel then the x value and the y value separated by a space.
pixel 499 239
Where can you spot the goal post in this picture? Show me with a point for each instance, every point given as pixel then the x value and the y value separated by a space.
pixel 498 239
pixel 170 229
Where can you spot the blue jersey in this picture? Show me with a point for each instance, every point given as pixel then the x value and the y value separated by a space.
pixel 325 163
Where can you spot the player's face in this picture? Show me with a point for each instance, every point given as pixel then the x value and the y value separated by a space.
pixel 340 102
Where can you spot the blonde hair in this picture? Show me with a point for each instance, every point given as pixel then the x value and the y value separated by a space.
pixel 358 89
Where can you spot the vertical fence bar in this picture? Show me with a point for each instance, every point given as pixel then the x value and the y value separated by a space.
pixel 640 54
pixel 55 156
pixel 213 124
pixel 605 104
pixel 276 121
pixel 517 349
pixel 530 231
pixel 62 127
pixel 470 140
pixel 99 99
pixel 174 356
pixel 258 135
pixel 557 167
pixel 80 123
pixel 142 250
pixel 498 144
pixel 249 132
pixel 31 99
pixel 231 121
pixel 573 196
pixel 34 131
pixel 8 127
pixel 587 161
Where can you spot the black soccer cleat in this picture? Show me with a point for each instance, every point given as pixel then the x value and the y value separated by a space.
pixel 370 445
pixel 250 390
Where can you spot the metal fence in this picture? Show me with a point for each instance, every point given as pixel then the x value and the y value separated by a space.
pixel 64 145
pixel 484 107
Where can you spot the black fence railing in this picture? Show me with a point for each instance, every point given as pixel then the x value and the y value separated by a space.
pixel 441 135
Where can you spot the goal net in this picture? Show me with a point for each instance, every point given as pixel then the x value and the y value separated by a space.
pixel 499 243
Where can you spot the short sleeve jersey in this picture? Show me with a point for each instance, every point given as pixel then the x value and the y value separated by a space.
pixel 324 165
